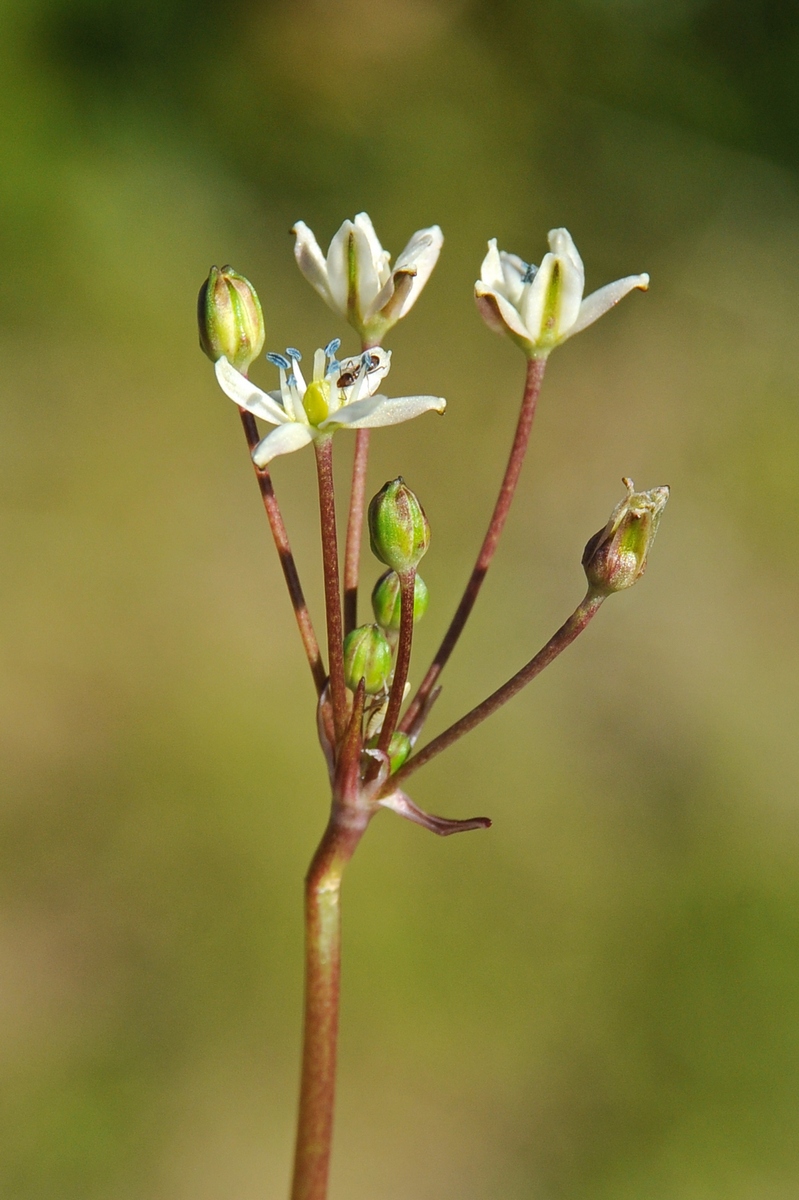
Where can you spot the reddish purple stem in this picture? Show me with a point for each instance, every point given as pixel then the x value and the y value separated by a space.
pixel 532 388
pixel 556 644
pixel 335 648
pixel 276 524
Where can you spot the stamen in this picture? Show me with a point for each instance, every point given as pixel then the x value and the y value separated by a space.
pixel 292 380
pixel 332 347
pixel 278 360
pixel 531 270
pixel 294 354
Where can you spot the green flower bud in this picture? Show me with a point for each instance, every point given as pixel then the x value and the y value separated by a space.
pixel 367 656
pixel 230 319
pixel 386 599
pixel 399 749
pixel 615 558
pixel 398 528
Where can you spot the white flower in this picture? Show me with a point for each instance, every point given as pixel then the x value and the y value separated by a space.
pixel 356 279
pixel 539 307
pixel 340 395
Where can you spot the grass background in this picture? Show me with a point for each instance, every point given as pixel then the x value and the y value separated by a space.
pixel 597 1000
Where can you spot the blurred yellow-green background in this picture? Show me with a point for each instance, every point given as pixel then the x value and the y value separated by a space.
pixel 599 998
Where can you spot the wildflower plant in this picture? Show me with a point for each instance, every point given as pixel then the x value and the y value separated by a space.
pixel 367 731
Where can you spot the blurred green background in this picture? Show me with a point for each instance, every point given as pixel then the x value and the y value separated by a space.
pixel 599 998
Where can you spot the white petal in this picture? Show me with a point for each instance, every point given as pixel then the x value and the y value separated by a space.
pixel 375 411
pixel 421 254
pixel 380 257
pixel 353 296
pixel 499 314
pixel 600 301
pixel 338 266
pixel 491 276
pixel 562 244
pixel 311 261
pixel 284 440
pixel 247 395
pixel 514 270
pixel 550 304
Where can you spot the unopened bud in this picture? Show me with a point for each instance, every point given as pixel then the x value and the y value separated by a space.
pixel 367 656
pixel 386 600
pixel 230 319
pixel 398 528
pixel 615 558
pixel 399 749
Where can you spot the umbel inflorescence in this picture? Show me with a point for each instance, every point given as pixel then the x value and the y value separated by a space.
pixel 368 726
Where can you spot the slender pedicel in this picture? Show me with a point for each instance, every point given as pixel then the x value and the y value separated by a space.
pixel 276 524
pixel 557 643
pixel 407 591
pixel 532 388
pixel 327 511
pixel 352 551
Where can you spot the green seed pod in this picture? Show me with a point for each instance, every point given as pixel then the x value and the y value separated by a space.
pixel 398 528
pixel 230 319
pixel 367 656
pixel 615 558
pixel 398 750
pixel 386 600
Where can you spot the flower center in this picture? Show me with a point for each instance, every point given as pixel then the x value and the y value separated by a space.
pixel 316 401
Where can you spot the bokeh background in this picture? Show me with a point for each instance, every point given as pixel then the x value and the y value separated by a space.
pixel 599 998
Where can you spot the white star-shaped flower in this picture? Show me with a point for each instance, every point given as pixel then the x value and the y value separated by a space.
pixel 357 280
pixel 540 307
pixel 341 395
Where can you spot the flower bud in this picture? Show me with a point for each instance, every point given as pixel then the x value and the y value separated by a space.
pixel 367 656
pixel 398 528
pixel 386 600
pixel 615 558
pixel 399 748
pixel 230 319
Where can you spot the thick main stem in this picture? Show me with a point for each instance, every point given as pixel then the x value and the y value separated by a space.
pixel 320 1033
pixel 407 595
pixel 335 646
pixel 276 524
pixel 532 388
pixel 555 646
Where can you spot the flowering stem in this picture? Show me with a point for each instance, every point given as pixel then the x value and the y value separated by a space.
pixel 275 518
pixel 352 551
pixel 347 824
pixel 532 388
pixel 407 595
pixel 335 649
pixel 322 983
pixel 556 644
pixel 352 554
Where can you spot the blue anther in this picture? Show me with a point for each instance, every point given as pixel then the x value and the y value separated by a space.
pixel 292 380
pixel 332 347
pixel 333 367
pixel 366 358
pixel 278 360
pixel 292 353
pixel 530 273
